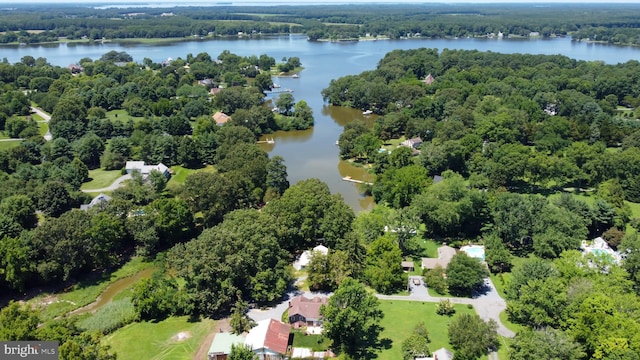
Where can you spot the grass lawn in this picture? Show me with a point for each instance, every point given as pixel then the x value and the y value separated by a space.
pixel 122 115
pixel 6 145
pixel 44 127
pixel 180 173
pixel 85 293
pixel 157 340
pixel 314 342
pixel 400 317
pixel 101 178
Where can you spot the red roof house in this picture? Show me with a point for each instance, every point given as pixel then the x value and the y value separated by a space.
pixel 269 340
pixel 306 312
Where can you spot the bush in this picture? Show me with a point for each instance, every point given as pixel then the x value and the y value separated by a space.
pixel 445 307
pixel 110 317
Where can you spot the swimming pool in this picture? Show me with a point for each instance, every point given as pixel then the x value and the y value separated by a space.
pixel 474 251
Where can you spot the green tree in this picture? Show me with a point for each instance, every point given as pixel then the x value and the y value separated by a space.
pixel 384 266
pixel 69 118
pixel 352 320
pixel 465 275
pixel 18 322
pixel 285 103
pixel 471 337
pixel 239 321
pixel 277 175
pixel 542 303
pixel 241 352
pixel 398 187
pixel 416 345
pixel 263 82
pixel 21 209
pixel 545 343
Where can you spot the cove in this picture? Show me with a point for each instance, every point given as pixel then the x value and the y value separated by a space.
pixel 313 153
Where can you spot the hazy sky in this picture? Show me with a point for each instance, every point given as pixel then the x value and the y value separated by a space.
pixel 293 2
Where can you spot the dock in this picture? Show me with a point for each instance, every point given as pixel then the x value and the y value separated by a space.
pixel 268 141
pixel 349 179
pixel 279 90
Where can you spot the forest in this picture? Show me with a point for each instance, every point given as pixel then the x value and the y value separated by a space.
pixel 498 134
pixel 608 23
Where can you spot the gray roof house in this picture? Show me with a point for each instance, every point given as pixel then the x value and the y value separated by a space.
pixel 99 200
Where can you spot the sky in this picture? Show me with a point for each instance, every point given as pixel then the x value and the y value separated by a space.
pixel 165 3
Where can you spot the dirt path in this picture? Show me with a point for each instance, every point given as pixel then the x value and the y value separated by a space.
pixel 222 325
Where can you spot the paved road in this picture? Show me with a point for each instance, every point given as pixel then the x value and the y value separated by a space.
pixel 46 118
pixel 116 184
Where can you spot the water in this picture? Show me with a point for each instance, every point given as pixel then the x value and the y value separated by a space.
pixel 313 153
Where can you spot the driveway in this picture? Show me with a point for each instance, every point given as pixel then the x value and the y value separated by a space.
pixel 116 184
pixel 46 118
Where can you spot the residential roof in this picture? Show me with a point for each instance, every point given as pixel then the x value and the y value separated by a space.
pixel 146 169
pixel 437 179
pixel 305 257
pixel 222 342
pixel 221 118
pixel 445 254
pixel 407 264
pixel 98 200
pixel 309 308
pixel 270 334
pixel 429 79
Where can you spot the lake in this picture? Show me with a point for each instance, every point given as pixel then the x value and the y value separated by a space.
pixel 313 153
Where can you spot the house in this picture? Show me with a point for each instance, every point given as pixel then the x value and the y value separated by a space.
pixel 306 312
pixel 305 258
pixel 269 340
pixel 75 69
pixel 214 91
pixel 445 254
pixel 145 170
pixel 99 200
pixel 440 354
pixel 207 83
pixel 413 143
pixel 437 178
pixel 407 266
pixel 221 345
pixel 221 118
pixel 429 79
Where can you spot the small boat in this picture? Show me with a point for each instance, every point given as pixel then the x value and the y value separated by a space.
pixel 295 76
pixel 368 112
pixel 276 86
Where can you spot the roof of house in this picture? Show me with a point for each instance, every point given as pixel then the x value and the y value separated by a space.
pixel 429 79
pixel 309 308
pixel 437 179
pixel 221 118
pixel 270 334
pixel 222 342
pixel 407 264
pixel 445 254
pixel 442 354
pixel 98 200
pixel 305 257
pixel 146 169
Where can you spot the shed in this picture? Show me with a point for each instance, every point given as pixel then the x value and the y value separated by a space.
pixel 221 345
pixel 407 266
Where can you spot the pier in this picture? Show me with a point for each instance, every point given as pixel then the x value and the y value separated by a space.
pixel 349 179
pixel 268 141
pixel 279 90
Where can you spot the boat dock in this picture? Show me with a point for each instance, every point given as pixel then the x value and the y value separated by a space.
pixel 268 141
pixel 279 90
pixel 349 179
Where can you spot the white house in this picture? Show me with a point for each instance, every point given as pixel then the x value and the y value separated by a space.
pixel 269 340
pixel 305 258
pixel 440 354
pixel 99 200
pixel 145 170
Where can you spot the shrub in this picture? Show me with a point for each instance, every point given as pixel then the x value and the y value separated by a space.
pixel 445 307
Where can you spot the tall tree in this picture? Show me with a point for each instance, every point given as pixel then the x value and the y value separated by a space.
pixel 465 275
pixel 352 320
pixel 471 337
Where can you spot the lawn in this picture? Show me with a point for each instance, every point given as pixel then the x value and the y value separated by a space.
pixel 101 178
pixel 122 115
pixel 6 145
pixel 180 173
pixel 44 127
pixel 314 342
pixel 400 317
pixel 158 340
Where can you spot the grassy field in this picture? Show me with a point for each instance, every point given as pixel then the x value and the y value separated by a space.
pixel 314 342
pixel 85 293
pixel 121 115
pixel 101 178
pixel 400 317
pixel 159 340
pixel 180 173
pixel 43 127
pixel 6 145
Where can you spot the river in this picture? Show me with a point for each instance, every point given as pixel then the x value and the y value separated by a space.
pixel 313 153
